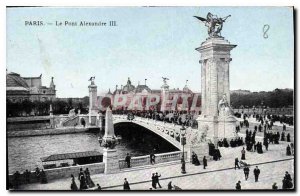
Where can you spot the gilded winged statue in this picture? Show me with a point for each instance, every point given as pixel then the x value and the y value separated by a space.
pixel 214 24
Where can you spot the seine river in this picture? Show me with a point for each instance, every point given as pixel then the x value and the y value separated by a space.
pixel 25 152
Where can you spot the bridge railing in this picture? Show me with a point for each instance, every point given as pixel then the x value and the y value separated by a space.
pixel 159 158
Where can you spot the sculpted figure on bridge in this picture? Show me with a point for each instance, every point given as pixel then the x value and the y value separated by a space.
pixel 224 108
pixel 92 79
pixel 165 80
pixel 214 24
pixel 195 137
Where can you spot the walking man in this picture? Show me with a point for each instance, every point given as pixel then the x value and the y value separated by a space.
pixel 236 163
pixel 153 181
pixel 128 159
pixel 152 158
pixel 157 179
pixel 246 172
pixel 256 172
pixel 204 162
pixel 126 185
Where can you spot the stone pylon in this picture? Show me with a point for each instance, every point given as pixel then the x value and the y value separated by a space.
pixel 215 85
pixel 164 97
pixel 52 124
pixel 110 155
pixel 93 109
pixel 109 125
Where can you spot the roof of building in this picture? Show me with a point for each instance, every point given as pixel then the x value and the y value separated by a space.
pixel 16 88
pixel 128 87
pixel 15 80
pixel 140 88
pixel 186 89
pixel 57 157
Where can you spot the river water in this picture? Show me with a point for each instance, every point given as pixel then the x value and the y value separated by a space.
pixel 25 152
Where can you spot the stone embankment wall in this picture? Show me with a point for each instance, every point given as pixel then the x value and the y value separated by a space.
pixel 57 131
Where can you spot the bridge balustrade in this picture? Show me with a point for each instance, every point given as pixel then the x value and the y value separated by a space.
pixel 159 158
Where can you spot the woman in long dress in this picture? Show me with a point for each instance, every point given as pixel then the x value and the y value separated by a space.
pixel 89 181
pixel 82 180
pixel 73 184
pixel 243 154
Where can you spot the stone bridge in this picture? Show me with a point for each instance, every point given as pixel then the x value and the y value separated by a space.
pixel 168 131
pixel 196 140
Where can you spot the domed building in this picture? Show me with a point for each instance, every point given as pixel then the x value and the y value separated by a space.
pixel 128 87
pixel 20 88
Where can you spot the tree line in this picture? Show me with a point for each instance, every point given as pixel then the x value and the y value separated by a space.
pixel 274 99
pixel 42 108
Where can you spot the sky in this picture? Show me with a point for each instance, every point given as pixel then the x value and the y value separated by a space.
pixel 148 42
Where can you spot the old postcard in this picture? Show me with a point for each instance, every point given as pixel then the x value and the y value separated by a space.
pixel 150 98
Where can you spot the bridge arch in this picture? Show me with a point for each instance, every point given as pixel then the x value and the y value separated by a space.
pixel 168 132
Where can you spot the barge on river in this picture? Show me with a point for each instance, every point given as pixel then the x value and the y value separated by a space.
pixel 71 159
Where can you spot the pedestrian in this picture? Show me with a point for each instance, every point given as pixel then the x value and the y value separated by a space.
pixel 152 158
pixel 274 186
pixel 292 148
pixel 127 160
pixel 282 136
pixel 16 181
pixel 288 150
pixel 195 159
pixel 204 162
pixel 126 185
pixel 43 177
pixel 98 187
pixel 153 181
pixel 246 172
pixel 238 185
pixel 73 184
pixel 288 137
pixel 37 173
pixel 243 154
pixel 27 176
pixel 217 154
pixel 88 179
pixel 82 180
pixel 266 143
pixel 236 163
pixel 256 172
pixel 170 187
pixel 157 179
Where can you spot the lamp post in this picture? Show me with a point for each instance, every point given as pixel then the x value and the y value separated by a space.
pixel 183 142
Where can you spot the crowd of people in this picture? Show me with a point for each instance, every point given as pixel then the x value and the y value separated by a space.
pixel 85 180
pixel 287 182
pixel 28 177
pixel 269 118
pixel 175 117
pixel 234 142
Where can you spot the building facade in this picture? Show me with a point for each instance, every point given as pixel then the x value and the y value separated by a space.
pixel 20 88
pixel 143 91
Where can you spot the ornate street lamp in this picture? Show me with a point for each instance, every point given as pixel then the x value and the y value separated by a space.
pixel 109 140
pixel 183 142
